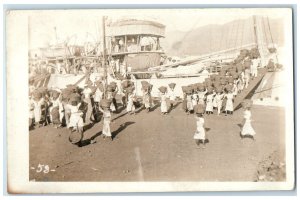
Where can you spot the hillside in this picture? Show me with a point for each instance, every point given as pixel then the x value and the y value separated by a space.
pixel 212 38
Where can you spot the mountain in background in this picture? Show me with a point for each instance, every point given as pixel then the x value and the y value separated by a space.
pixel 211 38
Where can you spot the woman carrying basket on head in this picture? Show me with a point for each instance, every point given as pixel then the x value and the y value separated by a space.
pixel 163 100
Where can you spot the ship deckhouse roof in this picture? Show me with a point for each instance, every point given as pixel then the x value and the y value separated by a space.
pixel 136 27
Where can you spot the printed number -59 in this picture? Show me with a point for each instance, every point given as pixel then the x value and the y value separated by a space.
pixel 42 168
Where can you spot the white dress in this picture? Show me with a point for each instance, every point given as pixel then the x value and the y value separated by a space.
pixel 163 104
pixel 209 103
pixel 189 103
pixel 200 132
pixel 201 96
pixel 146 99
pixel 229 102
pixel 234 89
pixel 130 104
pixel 98 95
pixel 106 124
pixel 112 105
pixel 31 108
pixel 76 116
pixel 194 99
pixel 172 96
pixel 247 128
pixel 218 100
pixel 57 103
pixel 38 110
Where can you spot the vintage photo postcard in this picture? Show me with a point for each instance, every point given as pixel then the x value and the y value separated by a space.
pixel 149 100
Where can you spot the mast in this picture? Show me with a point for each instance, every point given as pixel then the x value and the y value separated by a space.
pixel 259 39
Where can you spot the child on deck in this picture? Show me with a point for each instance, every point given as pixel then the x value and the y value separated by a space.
pixel 106 119
pixel 247 130
pixel 199 135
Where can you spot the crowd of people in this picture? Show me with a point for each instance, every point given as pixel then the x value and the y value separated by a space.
pixel 75 108
pixel 64 66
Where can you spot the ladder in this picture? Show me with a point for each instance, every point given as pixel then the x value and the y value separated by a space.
pixel 246 91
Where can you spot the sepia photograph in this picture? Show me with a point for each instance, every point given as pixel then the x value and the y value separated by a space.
pixel 158 99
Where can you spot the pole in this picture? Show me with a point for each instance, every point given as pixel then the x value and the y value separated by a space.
pixel 104 56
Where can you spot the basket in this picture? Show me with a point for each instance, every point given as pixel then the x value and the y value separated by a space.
pixel 105 103
pixel 162 89
pixel 199 109
pixel 172 85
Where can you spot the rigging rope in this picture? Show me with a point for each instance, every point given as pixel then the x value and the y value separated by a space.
pixel 270 32
pixel 243 27
pixel 265 32
pixel 272 38
pixel 221 41
pixel 237 32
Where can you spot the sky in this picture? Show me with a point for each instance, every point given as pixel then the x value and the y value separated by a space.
pixel 85 25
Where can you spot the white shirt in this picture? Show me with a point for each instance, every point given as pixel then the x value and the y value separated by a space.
pixel 87 92
pixel 172 95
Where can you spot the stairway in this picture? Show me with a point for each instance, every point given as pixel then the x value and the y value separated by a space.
pixel 252 84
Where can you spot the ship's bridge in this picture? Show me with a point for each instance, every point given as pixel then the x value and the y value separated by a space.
pixel 135 36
